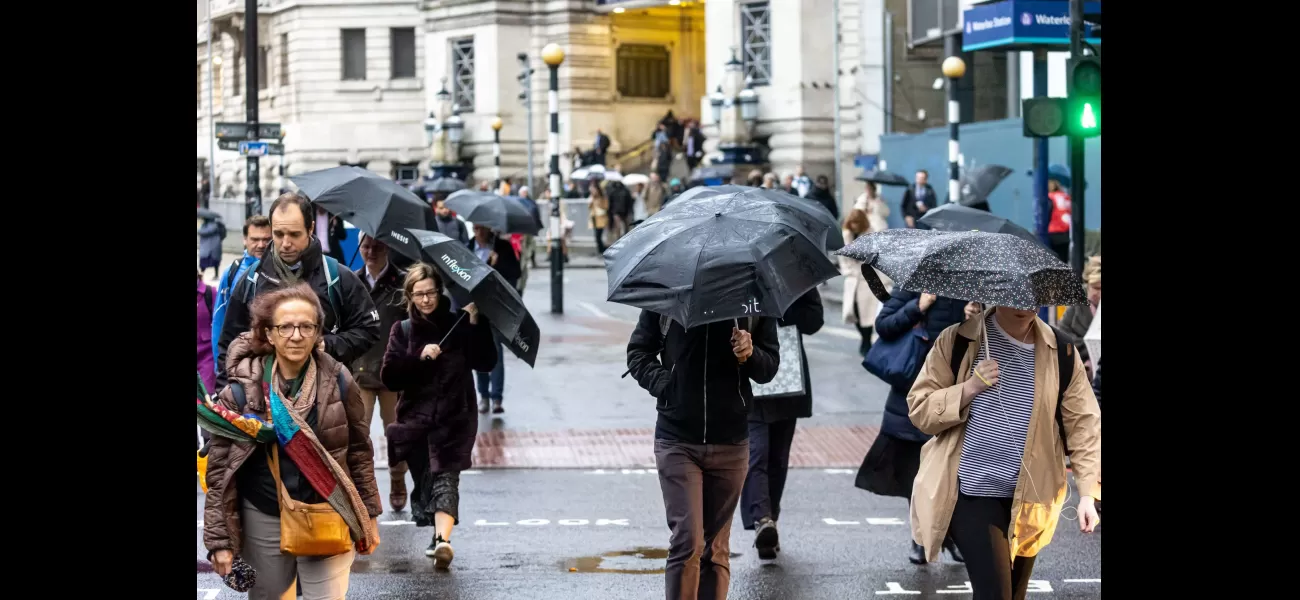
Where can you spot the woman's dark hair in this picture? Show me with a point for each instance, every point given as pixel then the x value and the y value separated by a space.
pixel 415 274
pixel 263 312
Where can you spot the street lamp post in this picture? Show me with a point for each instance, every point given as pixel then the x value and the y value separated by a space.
pixel 496 151
pixel 553 55
pixel 526 78
pixel 253 178
pixel 953 68
pixel 735 110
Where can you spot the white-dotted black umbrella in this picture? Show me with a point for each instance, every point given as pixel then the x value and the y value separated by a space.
pixel 995 269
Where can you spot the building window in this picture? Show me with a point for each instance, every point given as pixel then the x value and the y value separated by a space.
pixel 643 71
pixel 462 68
pixel 263 66
pixel 236 68
pixel 354 54
pixel 756 41
pixel 402 42
pixel 284 59
pixel 406 172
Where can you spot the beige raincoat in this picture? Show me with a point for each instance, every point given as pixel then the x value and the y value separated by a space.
pixel 935 407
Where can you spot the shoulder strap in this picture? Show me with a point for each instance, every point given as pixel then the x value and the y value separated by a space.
pixel 343 386
pixel 237 390
pixel 332 290
pixel 250 291
pixel 230 274
pixel 207 298
pixel 959 345
pixel 1065 372
pixel 406 329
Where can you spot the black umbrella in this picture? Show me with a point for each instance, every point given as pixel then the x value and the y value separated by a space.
pixel 445 185
pixel 955 217
pixel 379 206
pixel 719 257
pixel 489 291
pixel 883 178
pixel 834 241
pixel 996 269
pixel 979 182
pixel 711 172
pixel 500 213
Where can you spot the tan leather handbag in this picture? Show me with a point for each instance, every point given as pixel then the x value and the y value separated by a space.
pixel 308 529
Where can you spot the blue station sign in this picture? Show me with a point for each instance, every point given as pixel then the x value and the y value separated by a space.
pixel 1021 25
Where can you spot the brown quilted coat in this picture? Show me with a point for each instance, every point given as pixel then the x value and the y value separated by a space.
pixel 341 429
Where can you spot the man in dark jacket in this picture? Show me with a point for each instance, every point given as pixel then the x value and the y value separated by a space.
pixel 700 380
pixel 771 432
pixel 495 250
pixel 918 199
pixel 295 256
pixel 384 280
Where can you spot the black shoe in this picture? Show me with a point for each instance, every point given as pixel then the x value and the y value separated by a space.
pixel 917 555
pixel 953 552
pixel 441 552
pixel 497 408
pixel 766 539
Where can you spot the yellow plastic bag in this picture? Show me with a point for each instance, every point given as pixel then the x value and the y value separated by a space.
pixel 203 472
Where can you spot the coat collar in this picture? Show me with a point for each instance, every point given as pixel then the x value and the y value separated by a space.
pixel 972 329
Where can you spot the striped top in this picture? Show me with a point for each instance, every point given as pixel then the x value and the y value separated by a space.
pixel 999 419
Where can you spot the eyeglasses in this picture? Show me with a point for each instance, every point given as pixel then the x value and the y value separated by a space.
pixel 423 295
pixel 306 329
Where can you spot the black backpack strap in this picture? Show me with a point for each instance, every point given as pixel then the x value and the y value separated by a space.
pixel 959 345
pixel 406 329
pixel 231 272
pixel 1065 372
pixel 207 298
pixel 343 386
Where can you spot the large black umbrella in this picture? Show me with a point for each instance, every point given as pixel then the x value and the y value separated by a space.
pixel 955 217
pixel 718 257
pixel 979 182
pixel 500 213
pixel 996 269
pixel 379 206
pixel 834 241
pixel 445 185
pixel 883 177
pixel 486 288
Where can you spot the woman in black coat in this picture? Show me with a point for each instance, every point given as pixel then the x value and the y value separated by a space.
pixel 893 460
pixel 771 433
pixel 429 359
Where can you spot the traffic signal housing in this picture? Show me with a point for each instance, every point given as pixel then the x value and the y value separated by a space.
pixel 1084 97
pixel 1044 117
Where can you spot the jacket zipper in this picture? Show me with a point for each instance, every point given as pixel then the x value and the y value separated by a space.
pixel 738 392
pixel 705 437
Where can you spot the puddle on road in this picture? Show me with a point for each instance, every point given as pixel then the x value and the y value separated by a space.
pixel 641 560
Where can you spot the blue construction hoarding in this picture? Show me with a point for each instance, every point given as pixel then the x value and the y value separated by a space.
pixel 1021 24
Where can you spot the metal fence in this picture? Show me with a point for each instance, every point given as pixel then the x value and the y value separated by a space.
pixel 575 209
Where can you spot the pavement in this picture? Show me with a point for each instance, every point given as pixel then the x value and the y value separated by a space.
pixel 563 501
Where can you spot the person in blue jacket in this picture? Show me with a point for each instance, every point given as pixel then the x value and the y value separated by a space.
pixel 894 458
pixel 257 238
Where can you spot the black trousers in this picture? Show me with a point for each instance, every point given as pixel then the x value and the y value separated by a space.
pixel 979 527
pixel 769 463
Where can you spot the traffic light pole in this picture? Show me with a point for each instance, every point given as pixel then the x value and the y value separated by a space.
pixel 253 178
pixel 1076 153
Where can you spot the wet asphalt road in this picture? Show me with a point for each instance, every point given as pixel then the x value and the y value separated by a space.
pixel 522 530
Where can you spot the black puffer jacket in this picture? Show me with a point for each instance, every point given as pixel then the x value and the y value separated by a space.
pixel 897 317
pixel 703 396
pixel 388 299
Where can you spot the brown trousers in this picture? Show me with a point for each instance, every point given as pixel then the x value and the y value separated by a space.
pixel 387 412
pixel 701 486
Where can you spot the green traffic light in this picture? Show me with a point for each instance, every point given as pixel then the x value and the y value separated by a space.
pixel 1089 118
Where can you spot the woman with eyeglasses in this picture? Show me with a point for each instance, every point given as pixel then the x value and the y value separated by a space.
pixel 321 453
pixel 429 360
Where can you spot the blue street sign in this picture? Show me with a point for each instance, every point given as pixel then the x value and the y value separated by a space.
pixel 1021 25
pixel 253 148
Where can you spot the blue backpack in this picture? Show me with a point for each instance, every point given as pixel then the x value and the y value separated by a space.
pixel 331 287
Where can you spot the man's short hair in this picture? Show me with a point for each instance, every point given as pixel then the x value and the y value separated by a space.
pixel 296 199
pixel 256 221
pixel 923 171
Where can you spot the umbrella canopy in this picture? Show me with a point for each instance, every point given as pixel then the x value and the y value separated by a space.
pixel 635 179
pixel 489 291
pixel 588 172
pixel 720 256
pixel 812 208
pixel 374 204
pixel 501 213
pixel 883 178
pixel 992 268
pixel 445 185
pixel 979 182
pixel 955 217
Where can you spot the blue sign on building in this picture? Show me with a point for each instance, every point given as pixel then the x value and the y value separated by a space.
pixel 1021 24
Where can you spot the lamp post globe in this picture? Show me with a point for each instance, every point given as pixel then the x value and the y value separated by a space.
pixel 954 67
pixel 497 124
pixel 552 55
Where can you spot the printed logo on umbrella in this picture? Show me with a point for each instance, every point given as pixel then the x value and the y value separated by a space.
pixel 399 237
pixel 751 307
pixel 519 341
pixel 455 267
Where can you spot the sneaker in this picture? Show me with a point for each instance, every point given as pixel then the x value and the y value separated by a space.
pixel 497 408
pixel 441 552
pixel 483 404
pixel 766 539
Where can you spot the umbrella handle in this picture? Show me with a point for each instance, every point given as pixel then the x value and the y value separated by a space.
pixel 453 328
pixel 873 281
pixel 354 256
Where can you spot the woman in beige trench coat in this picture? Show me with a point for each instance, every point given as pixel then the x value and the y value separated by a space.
pixel 997 462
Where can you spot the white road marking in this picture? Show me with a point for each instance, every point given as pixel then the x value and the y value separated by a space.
pixel 397 522
pixel 591 308
pixel 838 471
pixel 830 521
pixel 894 588
pixel 1040 585
pixel 210 593
pixel 964 588
pixel 847 334
pixel 1081 580
pixel 885 521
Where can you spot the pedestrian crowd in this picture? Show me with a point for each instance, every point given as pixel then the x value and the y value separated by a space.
pixel 986 401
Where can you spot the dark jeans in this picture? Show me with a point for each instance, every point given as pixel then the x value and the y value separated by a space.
pixel 600 239
pixel 701 487
pixel 769 462
pixel 865 346
pixel 979 527
pixel 492 384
